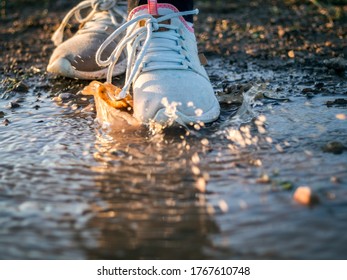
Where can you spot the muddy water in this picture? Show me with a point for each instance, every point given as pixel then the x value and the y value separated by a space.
pixel 71 191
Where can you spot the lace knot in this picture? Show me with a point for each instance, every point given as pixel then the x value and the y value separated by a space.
pixel 154 22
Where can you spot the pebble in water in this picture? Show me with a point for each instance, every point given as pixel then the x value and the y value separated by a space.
pixel 334 147
pixel 223 206
pixel 341 117
pixel 304 195
pixel 13 105
pixel 6 122
pixel 65 96
pixel 21 87
pixel 201 185
pixel 337 63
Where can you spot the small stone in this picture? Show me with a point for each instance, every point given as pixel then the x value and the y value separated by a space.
pixel 74 107
pixel 13 105
pixel 334 147
pixel 56 99
pixel 304 195
pixel 337 102
pixel 223 206
pixel 2 114
pixel 36 107
pixel 21 87
pixel 264 179
pixel 331 195
pixel 65 96
pixel 309 95
pixel 201 185
pixel 319 85
pixel 205 142
pixel 291 54
pixel 341 117
pixel 338 64
pixel 306 90
pixel 335 180
pixel 6 122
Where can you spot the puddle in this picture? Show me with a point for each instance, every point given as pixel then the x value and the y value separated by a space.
pixel 70 190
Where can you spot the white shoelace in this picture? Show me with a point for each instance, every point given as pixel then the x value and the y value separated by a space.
pixel 114 7
pixel 141 39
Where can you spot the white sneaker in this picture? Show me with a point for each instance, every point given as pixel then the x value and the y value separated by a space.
pixel 75 58
pixel 167 78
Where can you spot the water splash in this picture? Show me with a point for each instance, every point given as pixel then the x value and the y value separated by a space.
pixel 246 113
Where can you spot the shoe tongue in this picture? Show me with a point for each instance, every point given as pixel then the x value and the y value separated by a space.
pixel 153 7
pixel 157 11
pixel 101 22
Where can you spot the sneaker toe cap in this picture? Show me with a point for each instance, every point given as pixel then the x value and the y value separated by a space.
pixel 157 92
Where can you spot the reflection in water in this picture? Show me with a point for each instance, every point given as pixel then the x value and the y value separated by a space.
pixel 150 206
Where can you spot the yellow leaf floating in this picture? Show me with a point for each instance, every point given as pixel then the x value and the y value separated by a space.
pixel 112 112
pixel 108 93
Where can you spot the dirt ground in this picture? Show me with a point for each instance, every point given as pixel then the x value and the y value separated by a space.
pixel 274 33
